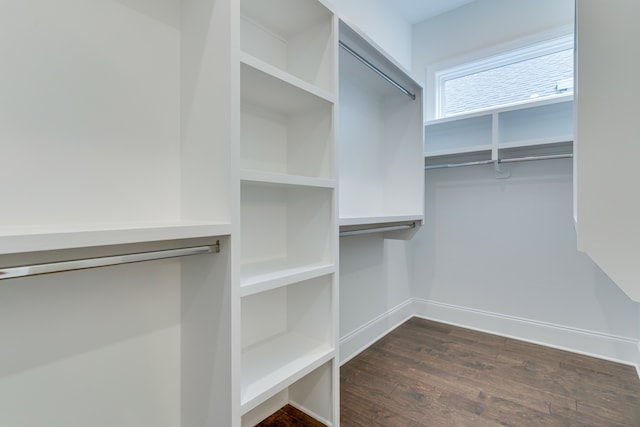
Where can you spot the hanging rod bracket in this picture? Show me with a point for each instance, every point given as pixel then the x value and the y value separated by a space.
pixel 500 173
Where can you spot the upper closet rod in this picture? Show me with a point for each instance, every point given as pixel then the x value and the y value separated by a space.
pixel 457 165
pixel 532 158
pixel 82 264
pixel 377 70
pixel 514 160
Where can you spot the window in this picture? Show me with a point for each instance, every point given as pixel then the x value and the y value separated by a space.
pixel 526 74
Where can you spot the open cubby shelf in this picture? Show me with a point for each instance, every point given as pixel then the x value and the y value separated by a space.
pixel 543 123
pixel 286 333
pixel 292 35
pixel 285 129
pixel 284 227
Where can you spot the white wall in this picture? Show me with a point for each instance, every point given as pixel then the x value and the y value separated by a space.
pixel 382 24
pixel 374 282
pixel 501 254
pixel 483 24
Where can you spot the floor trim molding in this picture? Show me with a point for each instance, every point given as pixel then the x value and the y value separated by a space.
pixel 596 344
pixel 360 339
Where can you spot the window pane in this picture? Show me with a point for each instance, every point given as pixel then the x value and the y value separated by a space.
pixel 531 79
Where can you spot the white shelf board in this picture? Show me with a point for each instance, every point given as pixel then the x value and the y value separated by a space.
pixel 280 178
pixel 460 117
pixel 286 17
pixel 378 219
pixel 459 150
pixel 263 276
pixel 534 142
pixel 498 110
pixel 265 84
pixel 275 364
pixel 52 237
pixel 556 99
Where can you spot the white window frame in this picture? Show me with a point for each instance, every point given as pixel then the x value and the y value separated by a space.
pixel 485 59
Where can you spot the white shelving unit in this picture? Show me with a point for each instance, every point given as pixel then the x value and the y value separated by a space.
pixel 118 144
pixel 195 123
pixel 544 128
pixel 287 281
pixel 380 137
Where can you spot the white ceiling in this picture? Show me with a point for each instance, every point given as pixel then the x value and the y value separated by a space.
pixel 414 11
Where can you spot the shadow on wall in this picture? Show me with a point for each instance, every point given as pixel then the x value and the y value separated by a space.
pixel 167 11
pixel 361 253
pixel 48 318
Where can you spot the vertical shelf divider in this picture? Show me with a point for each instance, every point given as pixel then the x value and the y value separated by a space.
pixel 285 277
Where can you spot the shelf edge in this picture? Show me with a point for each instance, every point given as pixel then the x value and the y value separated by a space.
pixel 34 239
pixel 285 179
pixel 345 221
pixel 284 76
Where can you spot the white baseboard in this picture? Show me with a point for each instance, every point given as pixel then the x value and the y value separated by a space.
pixel 638 360
pixel 312 414
pixel 356 341
pixel 596 344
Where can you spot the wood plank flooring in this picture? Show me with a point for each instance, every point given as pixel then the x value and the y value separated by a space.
pixel 430 374
pixel 289 416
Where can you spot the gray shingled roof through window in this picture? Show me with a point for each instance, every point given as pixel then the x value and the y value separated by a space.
pixel 520 81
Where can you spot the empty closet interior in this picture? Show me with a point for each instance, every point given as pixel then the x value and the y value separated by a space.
pixel 208 206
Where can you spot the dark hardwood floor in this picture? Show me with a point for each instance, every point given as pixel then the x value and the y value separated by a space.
pixel 430 374
pixel 289 416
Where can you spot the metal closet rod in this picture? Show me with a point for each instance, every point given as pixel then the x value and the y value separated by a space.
pixel 377 70
pixel 514 160
pixel 82 264
pixel 377 229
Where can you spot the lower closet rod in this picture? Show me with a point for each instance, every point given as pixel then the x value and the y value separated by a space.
pixel 82 264
pixel 458 165
pixel 378 229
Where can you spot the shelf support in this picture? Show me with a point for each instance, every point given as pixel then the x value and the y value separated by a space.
pixel 498 172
